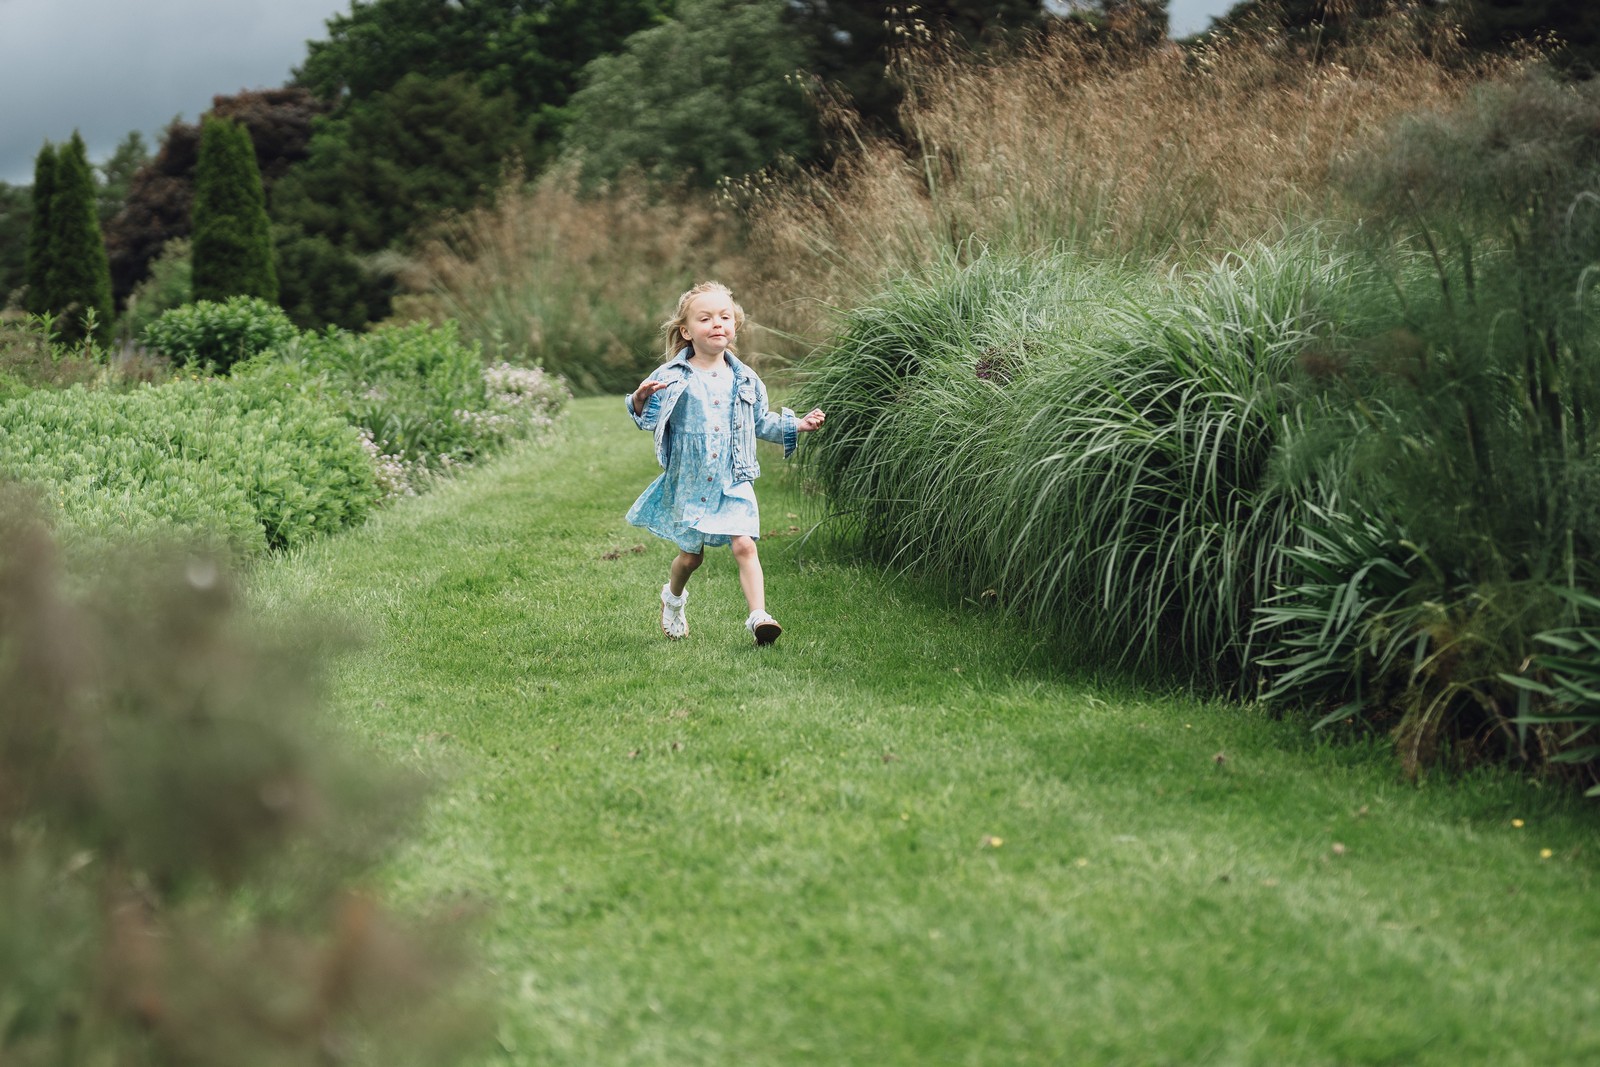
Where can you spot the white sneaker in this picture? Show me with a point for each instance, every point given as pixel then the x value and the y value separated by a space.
pixel 673 621
pixel 763 626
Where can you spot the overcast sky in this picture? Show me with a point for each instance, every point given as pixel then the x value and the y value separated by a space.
pixel 105 67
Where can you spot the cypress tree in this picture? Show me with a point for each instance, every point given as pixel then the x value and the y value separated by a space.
pixel 78 278
pixel 232 236
pixel 37 269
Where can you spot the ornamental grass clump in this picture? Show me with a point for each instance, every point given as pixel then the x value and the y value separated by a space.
pixel 1087 443
pixel 577 281
pixel 1160 155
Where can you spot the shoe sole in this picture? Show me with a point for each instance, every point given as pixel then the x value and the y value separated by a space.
pixel 767 632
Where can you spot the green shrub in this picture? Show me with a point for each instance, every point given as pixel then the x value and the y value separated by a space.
pixel 212 334
pixel 1089 444
pixel 168 285
pixel 232 464
pixel 1461 417
pixel 424 401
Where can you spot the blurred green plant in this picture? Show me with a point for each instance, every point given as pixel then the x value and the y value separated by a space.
pixel 182 841
pixel 217 334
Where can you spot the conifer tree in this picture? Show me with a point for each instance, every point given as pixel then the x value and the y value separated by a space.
pixel 38 262
pixel 78 276
pixel 232 236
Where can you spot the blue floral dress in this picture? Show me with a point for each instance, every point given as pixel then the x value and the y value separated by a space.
pixel 695 502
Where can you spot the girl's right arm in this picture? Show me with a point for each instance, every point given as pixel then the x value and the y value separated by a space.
pixel 647 389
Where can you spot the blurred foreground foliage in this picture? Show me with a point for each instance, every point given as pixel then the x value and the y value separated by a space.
pixel 182 843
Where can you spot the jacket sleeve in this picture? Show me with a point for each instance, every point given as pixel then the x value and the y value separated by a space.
pixel 780 427
pixel 652 407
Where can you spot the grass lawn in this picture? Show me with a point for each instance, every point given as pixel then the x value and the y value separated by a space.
pixel 900 836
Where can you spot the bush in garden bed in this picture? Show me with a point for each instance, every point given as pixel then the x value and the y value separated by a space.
pixel 217 334
pixel 231 463
pixel 424 400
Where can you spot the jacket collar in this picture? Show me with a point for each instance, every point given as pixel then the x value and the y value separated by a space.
pixel 682 359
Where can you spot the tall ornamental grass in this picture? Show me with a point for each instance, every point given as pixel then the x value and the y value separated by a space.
pixel 1157 155
pixel 579 282
pixel 1088 443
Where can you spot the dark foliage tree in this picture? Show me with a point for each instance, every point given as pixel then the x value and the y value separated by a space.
pixel 1499 24
pixel 37 269
pixel 232 237
pixel 322 284
pixel 679 104
pixel 78 278
pixel 531 51
pixel 849 42
pixel 160 194
pixel 1322 24
pixel 16 215
pixel 383 166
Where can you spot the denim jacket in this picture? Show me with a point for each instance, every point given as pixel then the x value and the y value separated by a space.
pixel 751 419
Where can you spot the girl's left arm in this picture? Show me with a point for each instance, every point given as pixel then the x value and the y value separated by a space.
pixel 780 427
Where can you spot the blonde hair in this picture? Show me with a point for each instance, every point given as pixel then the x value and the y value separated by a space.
pixel 672 329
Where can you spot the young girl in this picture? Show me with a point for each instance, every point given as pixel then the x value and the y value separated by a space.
pixel 707 409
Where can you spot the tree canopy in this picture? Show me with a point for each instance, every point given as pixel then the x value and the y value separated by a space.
pixel 677 102
pixel 532 51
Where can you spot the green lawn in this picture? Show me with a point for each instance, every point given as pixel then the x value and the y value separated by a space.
pixel 899 836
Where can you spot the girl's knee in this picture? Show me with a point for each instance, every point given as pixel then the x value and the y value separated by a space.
pixel 743 547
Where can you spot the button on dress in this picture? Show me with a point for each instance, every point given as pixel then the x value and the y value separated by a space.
pixel 695 502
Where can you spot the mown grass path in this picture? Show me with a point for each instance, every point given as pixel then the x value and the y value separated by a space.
pixel 898 837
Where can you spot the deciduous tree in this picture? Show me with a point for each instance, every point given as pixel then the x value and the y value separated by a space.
pixel 680 102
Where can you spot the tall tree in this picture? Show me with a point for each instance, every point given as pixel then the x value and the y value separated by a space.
pixel 1499 24
pixel 16 216
pixel 161 193
pixel 849 42
pixel 378 170
pixel 532 51
pixel 78 278
pixel 37 270
pixel 680 103
pixel 232 237
pixel 116 175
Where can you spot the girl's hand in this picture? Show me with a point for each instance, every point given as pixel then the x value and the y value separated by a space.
pixel 647 389
pixel 812 421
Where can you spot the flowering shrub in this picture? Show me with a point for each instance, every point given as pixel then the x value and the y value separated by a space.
pixel 423 400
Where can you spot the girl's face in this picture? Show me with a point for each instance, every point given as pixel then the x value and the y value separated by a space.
pixel 710 325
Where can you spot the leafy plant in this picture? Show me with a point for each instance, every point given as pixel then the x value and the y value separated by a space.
pixel 215 334
pixel 1567 681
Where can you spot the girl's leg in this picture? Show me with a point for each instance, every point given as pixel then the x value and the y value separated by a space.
pixel 686 564
pixel 751 579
